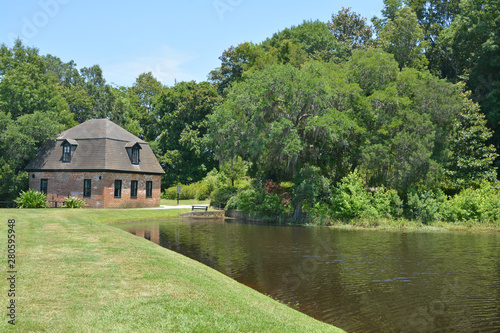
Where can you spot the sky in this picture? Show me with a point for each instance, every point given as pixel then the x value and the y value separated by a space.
pixel 175 40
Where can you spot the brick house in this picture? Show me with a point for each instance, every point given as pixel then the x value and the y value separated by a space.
pixel 101 163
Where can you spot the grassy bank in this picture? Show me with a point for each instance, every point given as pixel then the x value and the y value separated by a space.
pixel 410 225
pixel 76 274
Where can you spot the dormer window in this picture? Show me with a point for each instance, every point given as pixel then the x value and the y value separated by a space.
pixel 68 146
pixel 133 150
pixel 135 155
pixel 66 157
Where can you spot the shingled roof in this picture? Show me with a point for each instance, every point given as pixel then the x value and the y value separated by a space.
pixel 96 145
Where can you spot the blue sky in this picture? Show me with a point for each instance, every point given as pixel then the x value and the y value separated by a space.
pixel 176 40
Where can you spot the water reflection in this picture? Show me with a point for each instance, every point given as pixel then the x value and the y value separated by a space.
pixel 362 281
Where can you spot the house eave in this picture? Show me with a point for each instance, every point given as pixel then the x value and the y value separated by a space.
pixel 95 170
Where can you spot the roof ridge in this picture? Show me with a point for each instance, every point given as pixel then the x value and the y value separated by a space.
pixel 99 129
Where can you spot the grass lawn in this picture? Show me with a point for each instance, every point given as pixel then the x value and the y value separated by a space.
pixel 77 274
pixel 184 202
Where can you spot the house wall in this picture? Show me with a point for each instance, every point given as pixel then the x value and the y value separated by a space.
pixel 61 185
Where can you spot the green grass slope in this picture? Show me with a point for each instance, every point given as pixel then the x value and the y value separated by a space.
pixel 76 274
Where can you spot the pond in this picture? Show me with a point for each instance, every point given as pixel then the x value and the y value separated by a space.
pixel 360 281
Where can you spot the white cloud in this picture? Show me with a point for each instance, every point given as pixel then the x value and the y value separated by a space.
pixel 166 64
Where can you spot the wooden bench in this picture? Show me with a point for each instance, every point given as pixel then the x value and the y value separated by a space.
pixel 193 207
pixel 55 203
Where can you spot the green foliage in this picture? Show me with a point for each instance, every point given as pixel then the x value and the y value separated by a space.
pixel 182 110
pixel 263 118
pixel 11 182
pixel 474 40
pixel 351 200
pixel 351 29
pixel 188 192
pixel 404 38
pixel 481 204
pixel 74 202
pixel 245 201
pixel 311 187
pixel 271 206
pixel 223 193
pixel 143 96
pixel 387 203
pixel 314 37
pixel 31 199
pixel 372 69
pixel 256 202
pixel 426 206
pixel 472 159
pixel 214 179
pixel 235 169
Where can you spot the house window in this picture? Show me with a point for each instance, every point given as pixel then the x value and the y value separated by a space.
pixel 66 153
pixel 118 188
pixel 149 189
pixel 135 155
pixel 43 185
pixel 133 189
pixel 87 185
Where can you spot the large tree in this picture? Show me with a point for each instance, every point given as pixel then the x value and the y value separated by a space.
pixel 351 29
pixel 404 38
pixel 474 38
pixel 314 38
pixel 182 111
pixel 276 119
pixel 143 96
pixel 33 108
pixel 472 158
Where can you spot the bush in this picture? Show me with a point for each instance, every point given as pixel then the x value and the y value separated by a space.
pixel 213 180
pixel 74 202
pixel 426 206
pixel 482 204
pixel 222 194
pixel 188 192
pixel 320 214
pixel 351 200
pixel 387 203
pixel 270 206
pixel 31 199
pixel 245 201
pixel 257 203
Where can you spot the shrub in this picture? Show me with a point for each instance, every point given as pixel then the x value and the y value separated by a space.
pixel 74 202
pixel 426 206
pixel 223 194
pixel 387 203
pixel 320 214
pixel 351 200
pixel 257 203
pixel 311 187
pixel 214 179
pixel 245 201
pixel 482 204
pixel 188 192
pixel 31 199
pixel 270 206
